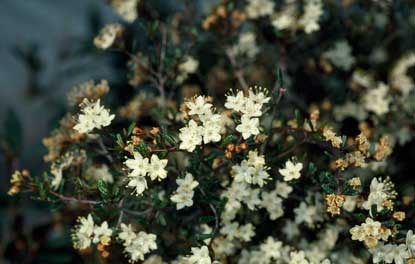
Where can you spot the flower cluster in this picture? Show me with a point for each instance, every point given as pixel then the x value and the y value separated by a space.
pixel 250 108
pixel 288 17
pixel 381 195
pixel 136 244
pixel 183 197
pixel 370 232
pixel 194 134
pixel 93 116
pixel 291 171
pixel 87 232
pixel 251 170
pixel 140 167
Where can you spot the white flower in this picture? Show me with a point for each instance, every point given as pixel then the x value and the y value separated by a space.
pixel 259 8
pixel 94 116
pixel 107 36
pixel 82 241
pixel 199 256
pixel 248 126
pixel 246 232
pixel 156 168
pixel 291 170
pixel 246 45
pixel 286 18
pixel 82 236
pixel 298 258
pixel 183 197
pixel 102 234
pixel 252 200
pixel 252 171
pixel 99 173
pixel 271 249
pixel 259 96
pixel 56 169
pixel 141 245
pixel 283 189
pixel 147 241
pixel 370 233
pixel 341 55
pixel 139 166
pixel 291 230
pixel 189 66
pixel 87 225
pixel 377 196
pixel 190 136
pixel 255 160
pixel 312 12
pixel 273 204
pixel 235 102
pixel 139 184
pixel 199 106
pixel 127 234
pixel 376 100
pixel 251 109
pixel 127 9
pixel 382 253
pixel 211 131
pixel 306 214
pixel 399 254
pixel 243 172
pixel 410 240
pixel 400 78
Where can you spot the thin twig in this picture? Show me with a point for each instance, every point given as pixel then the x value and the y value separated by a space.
pixel 238 72
pixel 120 204
pixel 172 149
pixel 137 213
pixel 160 79
pixel 281 92
pixel 105 151
pixel 216 224
pixel 73 199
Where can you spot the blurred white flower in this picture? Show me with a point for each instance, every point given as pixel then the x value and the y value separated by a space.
pixel 291 171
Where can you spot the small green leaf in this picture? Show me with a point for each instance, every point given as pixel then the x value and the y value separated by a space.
pixel 103 189
pixel 204 236
pixel 228 140
pixel 162 219
pixel 143 149
pixel 119 140
pixel 131 128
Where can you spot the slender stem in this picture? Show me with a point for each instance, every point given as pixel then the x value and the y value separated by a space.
pixel 137 213
pixel 216 224
pixel 238 72
pixel 160 79
pixel 105 150
pixel 281 92
pixel 120 204
pixel 288 151
pixel 172 149
pixel 73 199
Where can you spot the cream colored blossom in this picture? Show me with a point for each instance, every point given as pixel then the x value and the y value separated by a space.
pixel 291 171
pixel 107 36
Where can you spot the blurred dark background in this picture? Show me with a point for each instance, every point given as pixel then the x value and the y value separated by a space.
pixel 45 48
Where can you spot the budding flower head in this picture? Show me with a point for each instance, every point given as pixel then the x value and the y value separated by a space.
pixel 355 183
pixel 399 216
